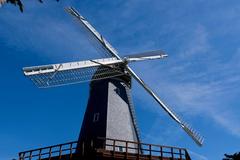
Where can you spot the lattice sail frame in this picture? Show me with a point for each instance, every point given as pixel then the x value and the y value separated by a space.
pixel 82 71
pixel 74 72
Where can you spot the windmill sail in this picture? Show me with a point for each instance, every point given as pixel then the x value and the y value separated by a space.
pixel 81 71
pixel 190 131
pixel 73 72
pixel 193 134
pixel 95 35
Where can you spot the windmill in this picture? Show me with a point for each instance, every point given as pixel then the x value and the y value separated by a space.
pixel 110 112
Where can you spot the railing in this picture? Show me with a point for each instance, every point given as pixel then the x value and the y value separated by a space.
pixel 143 150
pixel 111 148
pixel 48 152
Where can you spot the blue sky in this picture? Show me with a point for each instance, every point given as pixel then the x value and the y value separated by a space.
pixel 200 79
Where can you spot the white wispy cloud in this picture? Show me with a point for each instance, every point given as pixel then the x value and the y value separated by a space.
pixel 197 79
pixel 192 80
pixel 202 92
pixel 197 156
pixel 198 44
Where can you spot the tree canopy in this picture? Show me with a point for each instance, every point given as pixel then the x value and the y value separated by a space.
pixel 16 3
pixel 235 156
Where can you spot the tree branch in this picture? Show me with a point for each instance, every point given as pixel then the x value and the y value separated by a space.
pixel 16 3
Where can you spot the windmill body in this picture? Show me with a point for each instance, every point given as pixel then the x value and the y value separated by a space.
pixel 110 114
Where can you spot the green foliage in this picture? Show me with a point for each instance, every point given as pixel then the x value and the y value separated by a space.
pixel 235 156
pixel 18 3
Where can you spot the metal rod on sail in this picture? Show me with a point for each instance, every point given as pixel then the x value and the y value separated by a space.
pixel 28 71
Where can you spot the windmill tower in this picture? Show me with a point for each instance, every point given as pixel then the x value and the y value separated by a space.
pixel 109 113
pixel 109 122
